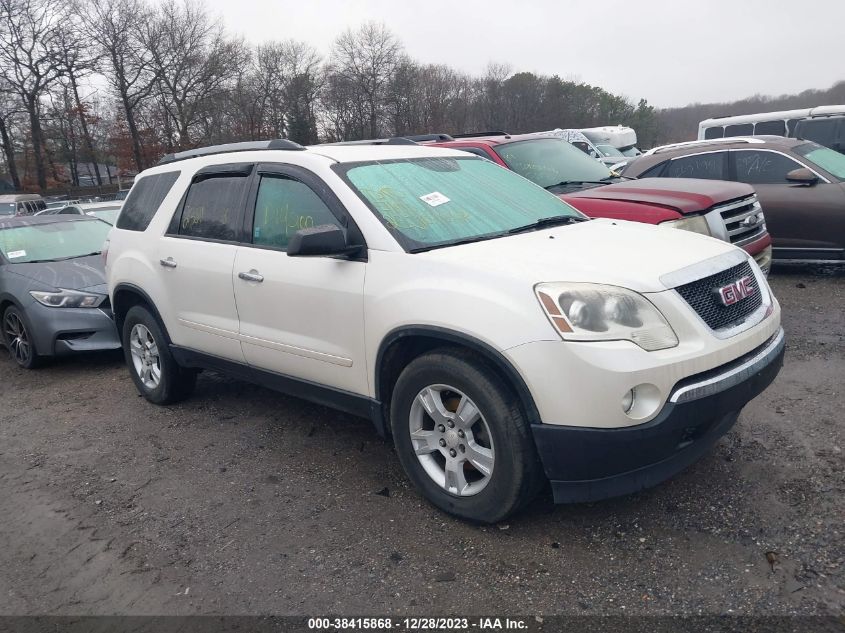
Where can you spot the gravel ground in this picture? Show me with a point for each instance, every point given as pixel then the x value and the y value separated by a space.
pixel 243 501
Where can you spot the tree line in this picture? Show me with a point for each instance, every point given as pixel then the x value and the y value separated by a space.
pixel 90 82
pixel 170 77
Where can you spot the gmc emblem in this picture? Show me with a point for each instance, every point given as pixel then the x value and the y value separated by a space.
pixel 736 291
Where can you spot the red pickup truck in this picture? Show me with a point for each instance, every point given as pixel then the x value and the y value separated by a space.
pixel 726 210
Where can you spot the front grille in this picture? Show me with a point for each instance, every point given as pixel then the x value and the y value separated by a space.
pixel 743 220
pixel 703 297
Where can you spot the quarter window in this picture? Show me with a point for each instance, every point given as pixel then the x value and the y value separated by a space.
pixel 283 207
pixel 763 168
pixel 144 199
pixel 708 166
pixel 212 208
pixel 714 132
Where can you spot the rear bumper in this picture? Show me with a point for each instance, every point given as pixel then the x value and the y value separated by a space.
pixel 587 464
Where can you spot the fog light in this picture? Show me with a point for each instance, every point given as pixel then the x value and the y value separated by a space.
pixel 628 401
pixel 642 402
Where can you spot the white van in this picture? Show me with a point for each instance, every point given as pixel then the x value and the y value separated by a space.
pixel 824 125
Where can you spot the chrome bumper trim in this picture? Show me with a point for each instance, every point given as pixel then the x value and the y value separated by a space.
pixel 733 376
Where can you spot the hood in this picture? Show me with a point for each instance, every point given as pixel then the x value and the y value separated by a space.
pixel 615 252
pixel 684 195
pixel 84 273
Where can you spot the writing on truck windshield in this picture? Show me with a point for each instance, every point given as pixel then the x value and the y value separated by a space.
pixel 429 202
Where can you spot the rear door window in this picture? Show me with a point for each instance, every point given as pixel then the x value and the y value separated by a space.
pixel 762 168
pixel 710 166
pixel 213 208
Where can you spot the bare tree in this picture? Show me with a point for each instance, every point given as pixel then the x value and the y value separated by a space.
pixel 9 109
pixel 79 60
pixel 30 61
pixel 114 25
pixel 193 61
pixel 366 59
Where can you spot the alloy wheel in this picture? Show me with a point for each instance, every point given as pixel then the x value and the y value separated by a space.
pixel 18 338
pixel 452 440
pixel 145 356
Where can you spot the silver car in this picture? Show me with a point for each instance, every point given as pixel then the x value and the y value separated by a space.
pixel 53 296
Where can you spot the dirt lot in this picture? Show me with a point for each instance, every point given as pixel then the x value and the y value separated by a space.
pixel 243 501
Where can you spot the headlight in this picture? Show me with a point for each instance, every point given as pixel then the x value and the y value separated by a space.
pixel 593 312
pixel 67 298
pixel 696 224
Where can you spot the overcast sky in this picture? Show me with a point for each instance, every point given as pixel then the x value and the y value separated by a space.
pixel 671 52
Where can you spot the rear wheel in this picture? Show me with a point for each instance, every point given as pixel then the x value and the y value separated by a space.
pixel 462 438
pixel 156 374
pixel 18 339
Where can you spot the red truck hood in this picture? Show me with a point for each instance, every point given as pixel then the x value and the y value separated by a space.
pixel 683 195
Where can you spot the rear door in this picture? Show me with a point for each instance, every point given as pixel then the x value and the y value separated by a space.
pixel 805 222
pixel 301 317
pixel 196 257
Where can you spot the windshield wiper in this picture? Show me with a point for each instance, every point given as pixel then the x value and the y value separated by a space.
pixel 61 259
pixel 569 183
pixel 543 223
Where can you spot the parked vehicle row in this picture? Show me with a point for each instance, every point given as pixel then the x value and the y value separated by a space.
pixel 728 211
pixel 800 184
pixel 497 336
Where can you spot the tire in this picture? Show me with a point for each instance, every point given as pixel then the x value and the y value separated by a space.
pixel 156 374
pixel 17 337
pixel 499 439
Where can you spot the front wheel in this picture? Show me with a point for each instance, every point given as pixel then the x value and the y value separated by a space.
pixel 156 374
pixel 462 438
pixel 18 339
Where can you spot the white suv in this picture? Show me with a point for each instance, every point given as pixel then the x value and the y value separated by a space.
pixel 497 336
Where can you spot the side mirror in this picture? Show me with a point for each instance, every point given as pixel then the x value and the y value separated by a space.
pixel 323 240
pixel 802 176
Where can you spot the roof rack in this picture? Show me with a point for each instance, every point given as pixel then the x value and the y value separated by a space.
pixel 396 140
pixel 247 146
pixel 421 138
pixel 712 141
pixel 475 134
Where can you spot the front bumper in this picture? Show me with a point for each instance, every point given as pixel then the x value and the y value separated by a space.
pixel 61 331
pixel 587 464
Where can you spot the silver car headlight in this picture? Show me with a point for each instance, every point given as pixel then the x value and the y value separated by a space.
pixel 594 312
pixel 694 224
pixel 67 298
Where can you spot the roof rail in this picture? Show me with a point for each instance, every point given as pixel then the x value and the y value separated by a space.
pixel 420 138
pixel 712 141
pixel 246 146
pixel 475 134
pixel 396 140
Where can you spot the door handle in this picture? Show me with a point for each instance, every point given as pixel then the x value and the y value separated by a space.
pixel 167 263
pixel 252 275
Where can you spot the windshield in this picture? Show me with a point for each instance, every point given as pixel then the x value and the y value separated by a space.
pixel 431 202
pixel 609 150
pixel 58 240
pixel 551 161
pixel 824 157
pixel 7 208
pixel 106 215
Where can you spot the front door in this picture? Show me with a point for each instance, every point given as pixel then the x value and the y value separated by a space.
pixel 805 222
pixel 302 317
